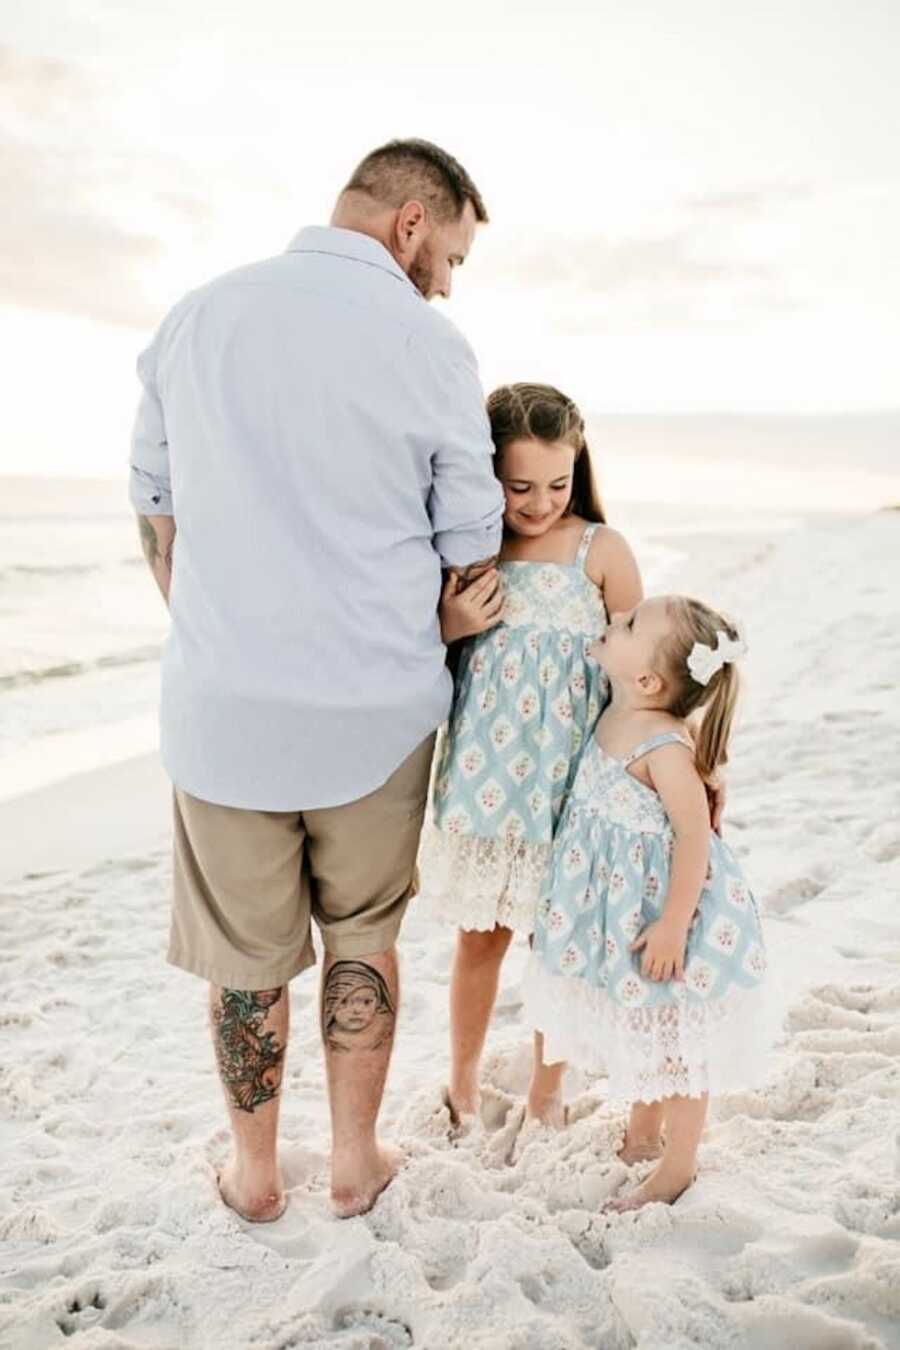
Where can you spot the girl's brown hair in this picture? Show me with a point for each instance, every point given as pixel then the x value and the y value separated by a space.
pixel 696 622
pixel 541 413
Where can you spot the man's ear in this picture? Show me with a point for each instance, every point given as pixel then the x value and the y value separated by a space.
pixel 409 225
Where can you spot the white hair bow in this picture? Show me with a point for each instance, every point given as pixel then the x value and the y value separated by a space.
pixel 704 660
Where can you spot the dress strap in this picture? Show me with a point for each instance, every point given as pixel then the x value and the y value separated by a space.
pixel 583 547
pixel 654 743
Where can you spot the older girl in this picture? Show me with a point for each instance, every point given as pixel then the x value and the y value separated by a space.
pixel 526 698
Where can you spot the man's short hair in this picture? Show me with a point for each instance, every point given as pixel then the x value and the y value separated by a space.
pixel 413 170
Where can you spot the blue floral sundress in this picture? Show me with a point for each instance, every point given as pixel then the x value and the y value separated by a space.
pixel 527 696
pixel 608 879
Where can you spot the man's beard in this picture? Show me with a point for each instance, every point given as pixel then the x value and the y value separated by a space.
pixel 421 270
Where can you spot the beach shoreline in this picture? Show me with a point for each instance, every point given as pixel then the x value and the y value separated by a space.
pixel 85 818
pixel 111 1120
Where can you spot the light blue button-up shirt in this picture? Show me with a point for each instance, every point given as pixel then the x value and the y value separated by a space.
pixel 318 432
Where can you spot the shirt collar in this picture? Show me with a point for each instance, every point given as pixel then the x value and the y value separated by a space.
pixel 346 244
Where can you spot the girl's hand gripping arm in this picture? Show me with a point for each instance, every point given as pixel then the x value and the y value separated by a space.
pixel 466 610
pixel 672 771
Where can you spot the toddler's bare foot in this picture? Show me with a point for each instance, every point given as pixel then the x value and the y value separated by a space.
pixel 548 1109
pixel 662 1186
pixel 357 1182
pixel 253 1201
pixel 638 1150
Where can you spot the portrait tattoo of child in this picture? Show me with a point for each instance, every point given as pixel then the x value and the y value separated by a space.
pixel 357 1012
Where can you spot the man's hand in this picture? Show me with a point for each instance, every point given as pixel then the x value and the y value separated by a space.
pixel 473 609
pixel 158 541
pixel 663 944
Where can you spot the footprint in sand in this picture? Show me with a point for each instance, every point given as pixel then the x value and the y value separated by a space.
pixel 868 1208
pixel 880 1040
pixel 591 1246
pixel 815 1013
pixel 775 1323
pixel 389 1333
pixel 792 894
pixel 883 844
pixel 81 1311
pixel 29 1225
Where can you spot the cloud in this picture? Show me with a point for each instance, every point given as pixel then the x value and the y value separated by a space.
pixel 674 279
pixel 726 261
pixel 66 243
pixel 57 254
pixel 752 202
pixel 617 266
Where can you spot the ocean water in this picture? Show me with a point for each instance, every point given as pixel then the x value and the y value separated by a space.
pixel 82 622
pixel 82 628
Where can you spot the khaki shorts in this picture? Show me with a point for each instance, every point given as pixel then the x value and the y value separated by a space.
pixel 247 882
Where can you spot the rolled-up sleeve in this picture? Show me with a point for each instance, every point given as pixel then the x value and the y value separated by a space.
pixel 150 487
pixel 150 478
pixel 466 500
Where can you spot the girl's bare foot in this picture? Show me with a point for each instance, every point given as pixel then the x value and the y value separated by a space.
pixel 464 1108
pixel 663 1186
pixel 356 1183
pixel 547 1109
pixel 640 1150
pixel 254 1202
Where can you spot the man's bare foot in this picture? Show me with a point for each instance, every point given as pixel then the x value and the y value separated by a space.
pixel 640 1150
pixel 356 1184
pixel 548 1110
pixel 661 1187
pixel 254 1203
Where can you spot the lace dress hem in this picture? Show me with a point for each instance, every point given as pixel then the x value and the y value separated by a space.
pixel 477 883
pixel 681 1048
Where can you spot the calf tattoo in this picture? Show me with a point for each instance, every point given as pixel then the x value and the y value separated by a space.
pixel 249 1058
pixel 357 1011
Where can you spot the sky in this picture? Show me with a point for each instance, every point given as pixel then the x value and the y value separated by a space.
pixel 695 204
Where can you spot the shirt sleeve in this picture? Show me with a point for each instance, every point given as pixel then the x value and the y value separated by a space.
pixel 150 487
pixel 466 500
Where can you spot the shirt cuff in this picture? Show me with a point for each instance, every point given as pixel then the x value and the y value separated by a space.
pixel 462 548
pixel 150 495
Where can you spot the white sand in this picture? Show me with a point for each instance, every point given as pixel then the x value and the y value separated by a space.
pixel 111 1232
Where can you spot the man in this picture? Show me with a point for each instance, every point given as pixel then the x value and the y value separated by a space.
pixel 310 448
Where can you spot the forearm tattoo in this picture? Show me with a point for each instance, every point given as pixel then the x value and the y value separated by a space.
pixel 149 541
pixel 150 545
pixel 249 1058
pixel 357 1010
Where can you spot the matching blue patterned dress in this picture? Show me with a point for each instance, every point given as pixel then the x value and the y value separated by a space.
pixel 608 879
pixel 526 699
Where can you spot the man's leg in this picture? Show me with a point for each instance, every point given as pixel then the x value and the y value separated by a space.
pixel 356 1062
pixel 240 920
pixel 250 1033
pixel 362 866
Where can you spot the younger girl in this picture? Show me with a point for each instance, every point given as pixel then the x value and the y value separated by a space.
pixel 525 700
pixel 648 957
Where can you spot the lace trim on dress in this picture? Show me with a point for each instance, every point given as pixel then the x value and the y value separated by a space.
pixel 477 883
pixel 660 1050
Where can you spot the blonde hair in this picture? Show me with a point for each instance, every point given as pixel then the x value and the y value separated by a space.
pixel 692 621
